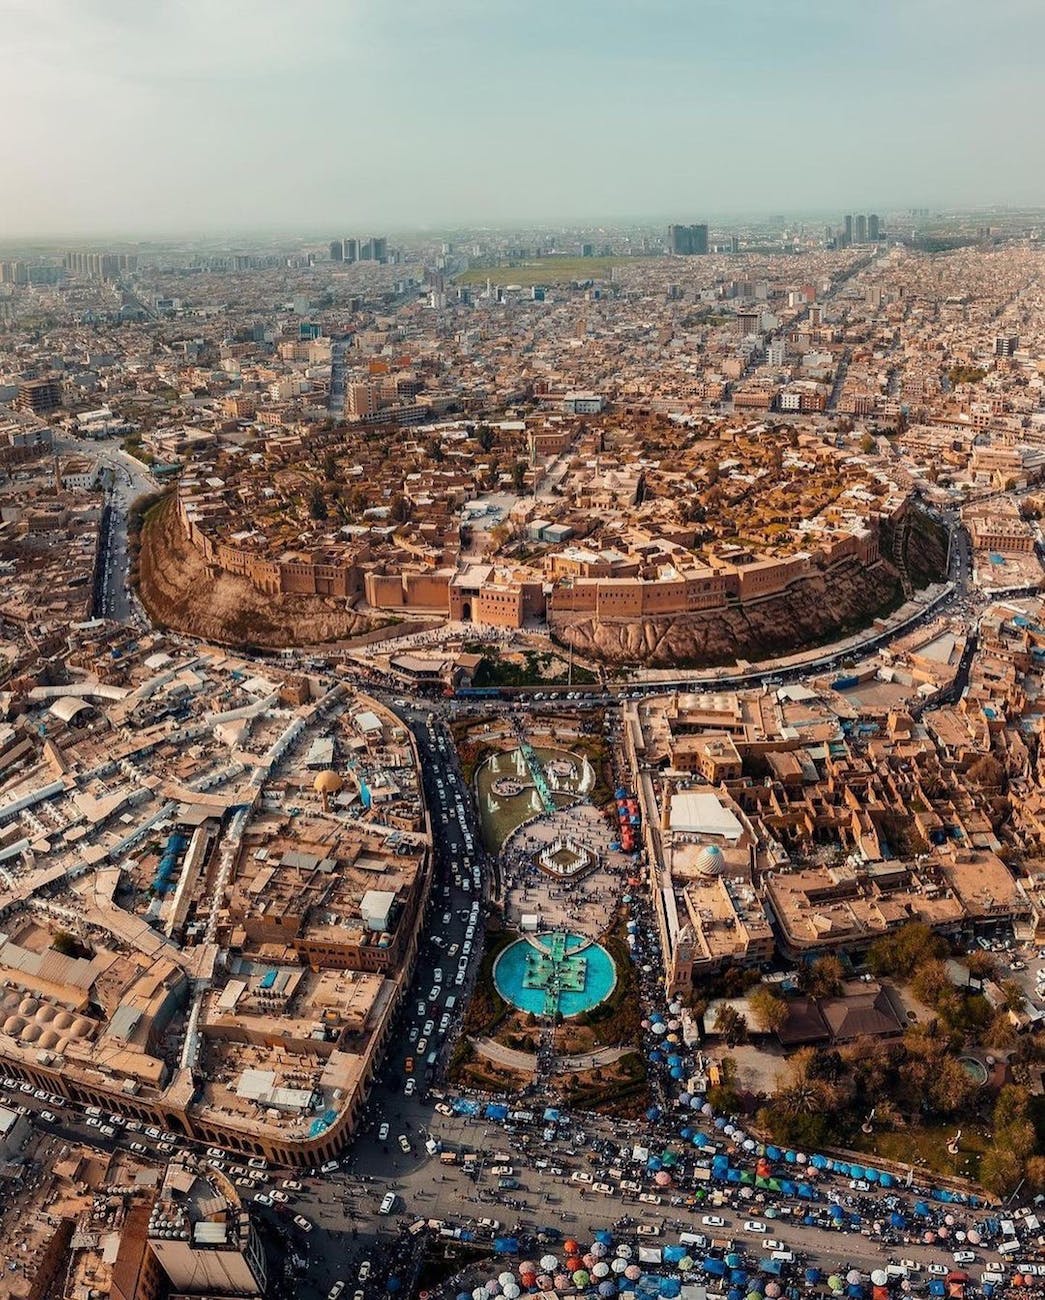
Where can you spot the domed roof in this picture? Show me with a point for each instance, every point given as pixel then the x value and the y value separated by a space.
pixel 45 1014
pixel 31 1032
pixel 48 1039
pixel 710 861
pixel 29 1006
pixel 63 1020
pixel 328 783
pixel 81 1027
pixel 14 1025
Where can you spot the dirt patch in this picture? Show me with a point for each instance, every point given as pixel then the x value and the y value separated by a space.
pixel 180 592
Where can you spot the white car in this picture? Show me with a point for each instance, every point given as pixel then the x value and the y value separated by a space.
pixel 771 1243
pixel 713 1221
pixel 754 1225
pixel 411 1088
pixel 404 1144
pixel 262 1198
pixel 302 1223
pixel 939 1270
pixel 328 1167
pixel 382 1132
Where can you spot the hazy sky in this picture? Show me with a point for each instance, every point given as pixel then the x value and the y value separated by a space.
pixel 209 115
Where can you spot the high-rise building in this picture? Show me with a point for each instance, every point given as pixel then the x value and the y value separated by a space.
pixel 379 248
pixel 686 241
pixel 337 250
pixel 1006 345
pixel 872 227
pixel 861 229
pixel 351 247
pixel 847 237
pixel 734 243
pixel 40 395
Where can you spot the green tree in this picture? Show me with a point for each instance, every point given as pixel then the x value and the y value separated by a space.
pixel 519 475
pixel 731 1025
pixel 317 505
pixel 401 510
pixel 1012 996
pixel 823 979
pixel 901 952
pixel 769 1011
pixel 484 436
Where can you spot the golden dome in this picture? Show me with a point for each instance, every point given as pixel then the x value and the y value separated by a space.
pixel 328 783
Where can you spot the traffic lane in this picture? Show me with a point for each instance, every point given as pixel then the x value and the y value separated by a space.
pixel 453 1198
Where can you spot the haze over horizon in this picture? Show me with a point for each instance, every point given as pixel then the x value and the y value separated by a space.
pixel 406 113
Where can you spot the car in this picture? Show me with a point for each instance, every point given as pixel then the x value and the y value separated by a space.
pixel 382 1132
pixel 335 1290
pixel 772 1243
pixel 364 1270
pixel 94 1123
pixel 433 995
pixel 411 1088
pixel 420 1008
pixel 859 1185
pixel 713 1221
pixel 429 1024
pixel 408 1065
pixel 939 1270
pixel 329 1167
pixel 580 1176
pixel 262 1198
pixel 491 1225
pixel 301 1222
pixel 447 918
pixel 48 1116
pixel 258 1162
pixel 139 1147
pixel 412 1035
pixel 219 1165
pixel 964 1257
pixel 292 1185
pixel 754 1225
pixel 281 1197
pixel 216 1152
pixel 247 1183
pixel 502 1171
pixel 404 1143
pixel 647 1198
pixel 513 1184
pixel 168 1147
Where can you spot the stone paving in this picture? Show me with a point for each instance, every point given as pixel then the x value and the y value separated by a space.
pixel 585 905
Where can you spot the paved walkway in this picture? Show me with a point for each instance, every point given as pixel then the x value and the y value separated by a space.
pixel 527 1062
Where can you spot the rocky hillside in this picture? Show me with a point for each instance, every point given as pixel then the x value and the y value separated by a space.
pixel 813 610
pixel 179 592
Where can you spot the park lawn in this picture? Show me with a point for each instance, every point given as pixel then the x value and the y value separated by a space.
pixel 556 269
pixel 927 1147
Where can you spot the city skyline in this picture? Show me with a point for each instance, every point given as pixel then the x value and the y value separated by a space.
pixel 179 118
